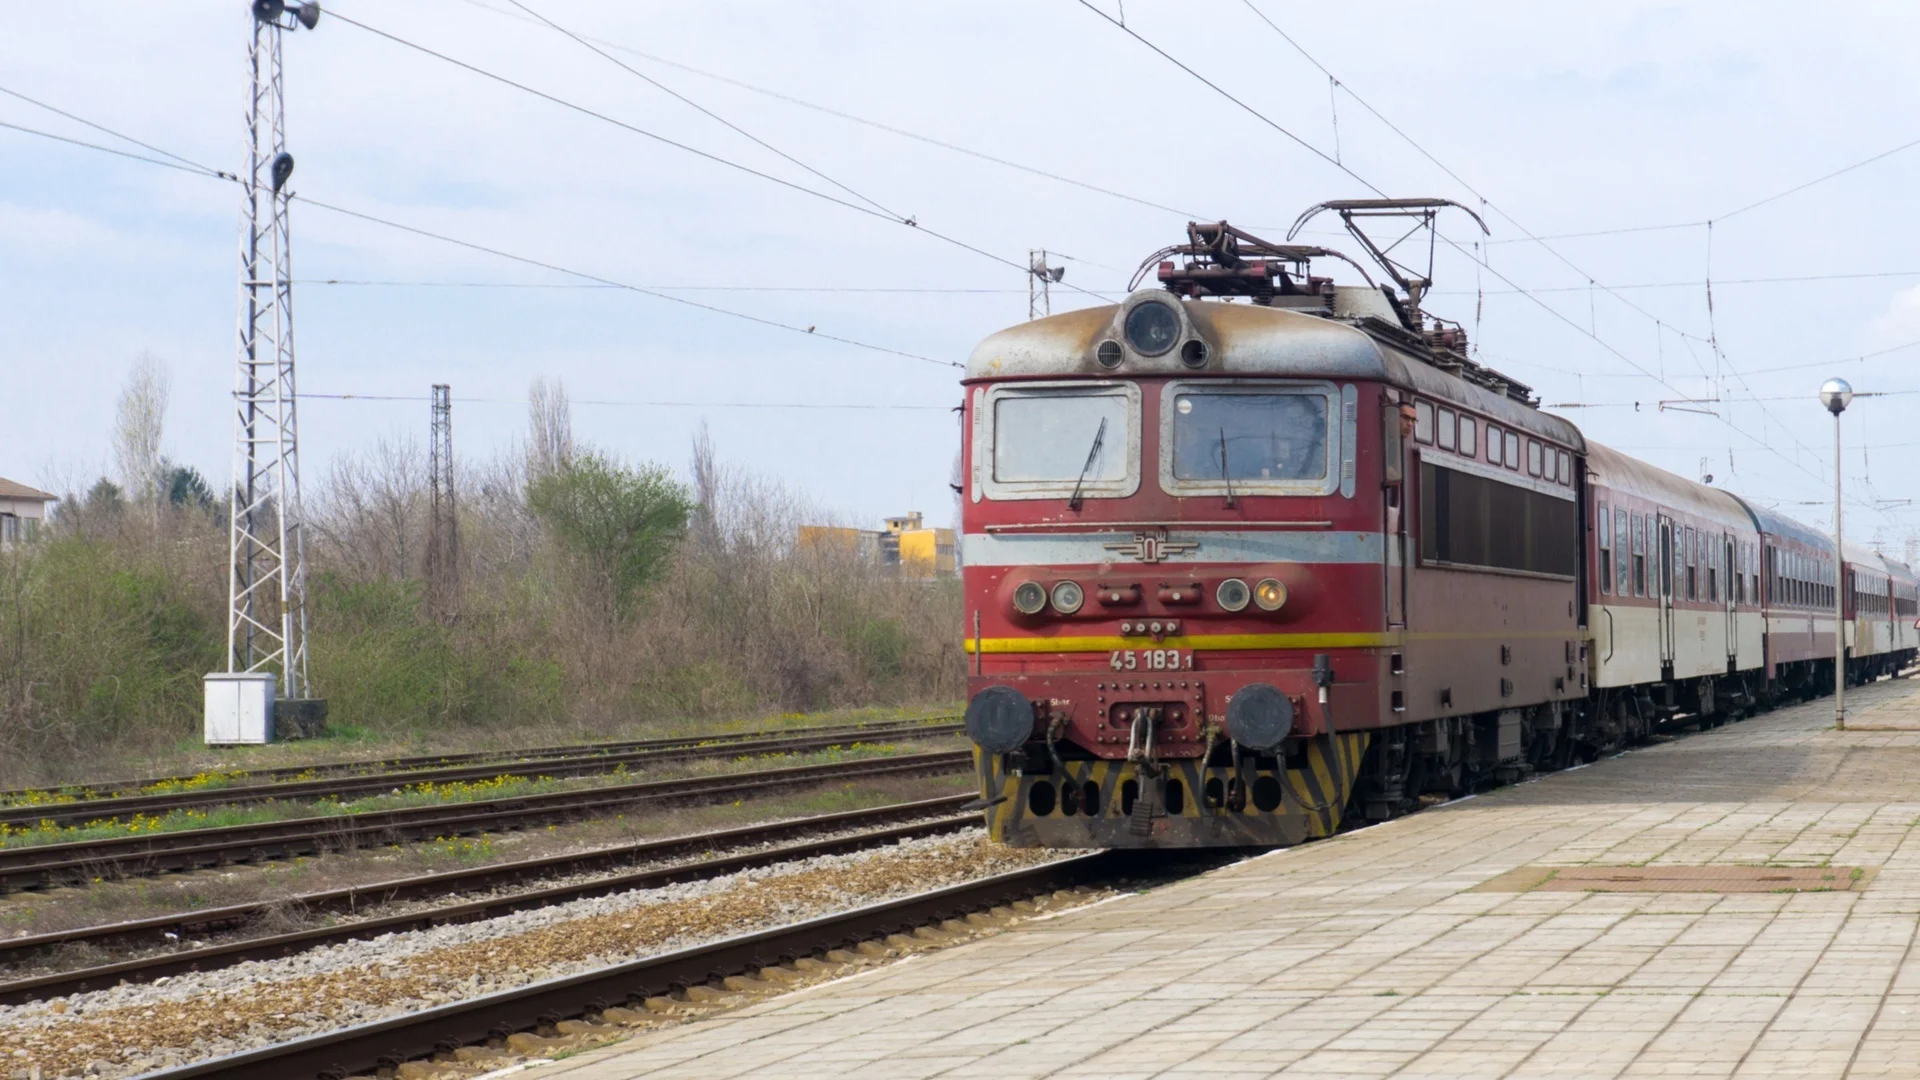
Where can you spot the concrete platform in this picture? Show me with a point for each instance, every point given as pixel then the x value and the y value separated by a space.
pixel 1420 949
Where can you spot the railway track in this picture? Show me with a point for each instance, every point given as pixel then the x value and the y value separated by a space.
pixel 877 827
pixel 576 761
pixel 83 861
pixel 385 1044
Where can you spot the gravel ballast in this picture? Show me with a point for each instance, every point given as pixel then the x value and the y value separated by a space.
pixel 131 1029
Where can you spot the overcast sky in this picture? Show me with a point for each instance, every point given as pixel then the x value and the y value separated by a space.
pixel 1565 118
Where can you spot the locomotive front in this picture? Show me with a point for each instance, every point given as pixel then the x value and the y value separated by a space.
pixel 1182 548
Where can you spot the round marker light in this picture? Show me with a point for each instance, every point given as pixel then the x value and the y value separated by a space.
pixel 1109 354
pixel 1270 594
pixel 1029 598
pixel 1067 597
pixel 1232 594
pixel 1152 328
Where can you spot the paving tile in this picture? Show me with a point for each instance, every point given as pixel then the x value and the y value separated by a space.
pixel 1373 954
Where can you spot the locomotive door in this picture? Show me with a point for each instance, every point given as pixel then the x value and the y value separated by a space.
pixel 1667 554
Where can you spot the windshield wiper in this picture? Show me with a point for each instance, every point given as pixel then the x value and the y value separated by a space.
pixel 1226 471
pixel 1093 453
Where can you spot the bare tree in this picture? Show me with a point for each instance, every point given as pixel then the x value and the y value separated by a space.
pixel 138 427
pixel 706 489
pixel 549 427
pixel 372 512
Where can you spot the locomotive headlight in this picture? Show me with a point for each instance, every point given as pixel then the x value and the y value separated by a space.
pixel 1152 328
pixel 1232 594
pixel 1067 597
pixel 1029 597
pixel 1270 594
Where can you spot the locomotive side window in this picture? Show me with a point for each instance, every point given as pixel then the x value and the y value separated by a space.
pixel 1469 520
pixel 1467 436
pixel 1513 450
pixel 1423 422
pixel 1053 441
pixel 1606 549
pixel 1566 467
pixel 1494 443
pixel 1253 438
pixel 1449 430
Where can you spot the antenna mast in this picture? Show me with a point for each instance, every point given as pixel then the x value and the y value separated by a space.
pixel 267 579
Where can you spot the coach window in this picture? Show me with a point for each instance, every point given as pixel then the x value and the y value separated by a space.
pixel 1468 441
pixel 1513 450
pixel 1449 430
pixel 1606 549
pixel 1690 550
pixel 1053 440
pixel 1238 438
pixel 1639 556
pixel 1622 558
pixel 1423 422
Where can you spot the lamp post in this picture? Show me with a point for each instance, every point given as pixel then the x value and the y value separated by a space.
pixel 1836 395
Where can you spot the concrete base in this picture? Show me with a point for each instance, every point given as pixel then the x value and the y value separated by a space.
pixel 300 718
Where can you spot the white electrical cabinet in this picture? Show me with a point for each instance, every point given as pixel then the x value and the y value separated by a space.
pixel 239 708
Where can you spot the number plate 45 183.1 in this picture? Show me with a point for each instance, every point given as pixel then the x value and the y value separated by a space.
pixel 1151 660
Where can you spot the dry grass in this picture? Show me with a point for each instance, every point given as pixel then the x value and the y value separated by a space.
pixel 109 621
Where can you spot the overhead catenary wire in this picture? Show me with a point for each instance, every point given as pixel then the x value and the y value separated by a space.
pixel 804 405
pixel 809 331
pixel 1317 152
pixel 827 110
pixel 1712 338
pixel 848 204
pixel 702 109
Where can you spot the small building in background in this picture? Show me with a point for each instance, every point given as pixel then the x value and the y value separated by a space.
pixel 22 509
pixel 906 544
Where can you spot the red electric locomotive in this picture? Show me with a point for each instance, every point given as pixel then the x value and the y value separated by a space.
pixel 1251 551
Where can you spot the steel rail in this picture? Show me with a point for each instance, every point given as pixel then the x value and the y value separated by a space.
pixel 367 1048
pixel 159 929
pixel 213 957
pixel 573 765
pixel 82 861
pixel 89 794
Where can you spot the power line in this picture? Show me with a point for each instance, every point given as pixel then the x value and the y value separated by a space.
pixel 662 288
pixel 1712 339
pixel 1786 279
pixel 109 131
pixel 702 109
pixel 810 331
pixel 645 404
pixel 197 170
pixel 1317 152
pixel 865 122
pixel 1755 205
pixel 882 215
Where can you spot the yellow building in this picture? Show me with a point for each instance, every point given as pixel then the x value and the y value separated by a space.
pixel 906 544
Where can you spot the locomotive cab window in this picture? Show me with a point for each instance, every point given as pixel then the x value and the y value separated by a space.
pixel 1264 438
pixel 1048 440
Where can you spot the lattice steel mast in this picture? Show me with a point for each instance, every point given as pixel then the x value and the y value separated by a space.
pixel 1040 279
pixel 267 580
pixel 443 539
